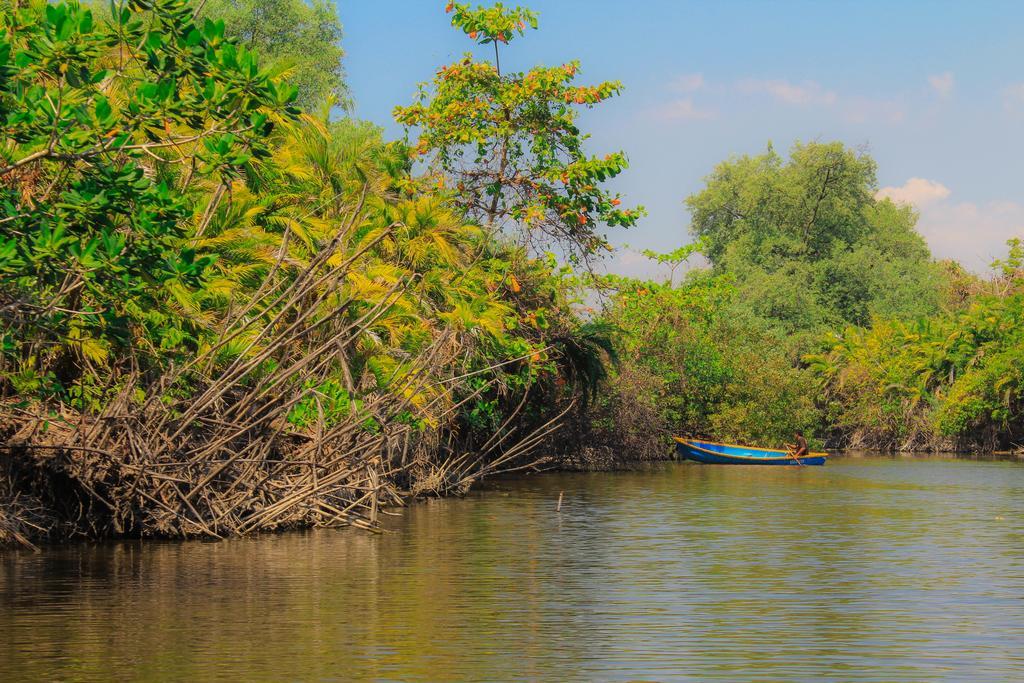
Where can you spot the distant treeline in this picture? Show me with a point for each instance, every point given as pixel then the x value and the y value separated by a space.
pixel 822 310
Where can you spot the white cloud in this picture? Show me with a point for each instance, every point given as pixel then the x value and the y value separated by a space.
pixel 942 83
pixel 809 93
pixel 1013 95
pixel 862 110
pixel 687 83
pixel 973 234
pixel 682 110
pixel 917 191
pixel 805 93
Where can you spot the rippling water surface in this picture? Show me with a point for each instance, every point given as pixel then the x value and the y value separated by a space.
pixel 869 569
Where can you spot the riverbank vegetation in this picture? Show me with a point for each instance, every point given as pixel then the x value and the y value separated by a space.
pixel 223 314
pixel 228 307
pixel 821 309
pixel 953 380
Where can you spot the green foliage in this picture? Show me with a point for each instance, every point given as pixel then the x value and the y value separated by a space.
pixel 297 39
pixel 168 218
pixel 719 370
pixel 808 243
pixel 191 265
pixel 163 197
pixel 766 401
pixel 955 375
pixel 509 146
pixel 495 24
pixel 585 355
pixel 94 228
pixel 1010 268
pixel 799 248
pixel 327 403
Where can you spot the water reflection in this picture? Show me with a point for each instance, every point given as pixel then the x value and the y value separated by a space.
pixel 867 569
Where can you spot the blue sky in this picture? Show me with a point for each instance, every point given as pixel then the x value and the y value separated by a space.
pixel 933 90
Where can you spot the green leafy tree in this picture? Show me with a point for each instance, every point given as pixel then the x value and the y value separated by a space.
pixel 105 126
pixel 808 243
pixel 298 39
pixel 508 145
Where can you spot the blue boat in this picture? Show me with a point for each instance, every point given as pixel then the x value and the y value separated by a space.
pixel 712 453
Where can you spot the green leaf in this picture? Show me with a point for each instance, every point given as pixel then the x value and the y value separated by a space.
pixel 103 110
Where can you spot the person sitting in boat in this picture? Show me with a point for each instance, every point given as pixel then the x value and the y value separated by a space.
pixel 800 448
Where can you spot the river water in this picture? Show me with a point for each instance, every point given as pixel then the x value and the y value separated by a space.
pixel 869 569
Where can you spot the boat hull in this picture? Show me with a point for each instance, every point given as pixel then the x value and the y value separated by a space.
pixel 711 453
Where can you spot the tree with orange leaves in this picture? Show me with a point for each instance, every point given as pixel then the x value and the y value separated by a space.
pixel 509 143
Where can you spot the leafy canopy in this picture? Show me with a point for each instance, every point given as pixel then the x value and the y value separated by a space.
pixel 509 143
pixel 808 242
pixel 94 228
pixel 298 39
